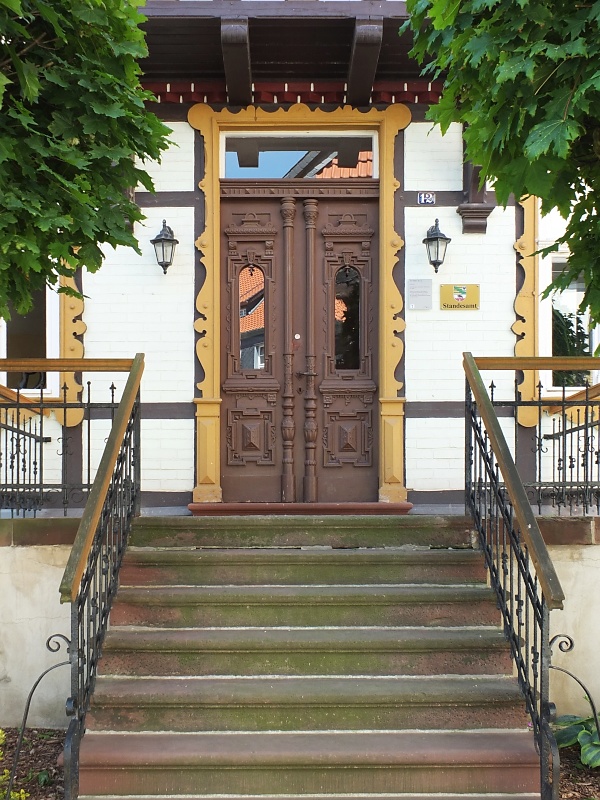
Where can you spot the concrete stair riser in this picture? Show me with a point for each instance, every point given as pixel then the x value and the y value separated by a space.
pixel 345 763
pixel 331 796
pixel 305 605
pixel 338 531
pixel 310 703
pixel 295 566
pixel 287 779
pixel 326 652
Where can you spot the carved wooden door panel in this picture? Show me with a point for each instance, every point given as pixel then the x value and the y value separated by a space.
pixel 299 349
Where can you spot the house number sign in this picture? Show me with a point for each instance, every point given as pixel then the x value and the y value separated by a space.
pixel 426 198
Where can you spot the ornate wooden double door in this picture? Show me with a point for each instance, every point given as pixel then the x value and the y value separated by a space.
pixel 299 341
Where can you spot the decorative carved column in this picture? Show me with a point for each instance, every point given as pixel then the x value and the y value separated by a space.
pixel 310 396
pixel 288 428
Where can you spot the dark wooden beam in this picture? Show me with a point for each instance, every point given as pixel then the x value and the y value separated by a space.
pixel 366 46
pixel 235 43
pixel 254 9
pixel 247 153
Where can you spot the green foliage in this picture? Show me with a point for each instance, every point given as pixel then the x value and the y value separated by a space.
pixel 20 794
pixel 569 338
pixel 570 730
pixel 72 119
pixel 523 77
pixel 43 778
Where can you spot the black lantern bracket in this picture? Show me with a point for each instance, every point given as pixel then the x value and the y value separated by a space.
pixel 164 247
pixel 436 243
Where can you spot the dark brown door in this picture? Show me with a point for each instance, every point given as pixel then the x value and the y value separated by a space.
pixel 299 359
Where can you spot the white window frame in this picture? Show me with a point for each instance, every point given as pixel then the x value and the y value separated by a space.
pixel 335 134
pixel 545 323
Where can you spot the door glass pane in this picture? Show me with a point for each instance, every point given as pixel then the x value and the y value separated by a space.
pixel 252 318
pixel 347 319
pixel 297 155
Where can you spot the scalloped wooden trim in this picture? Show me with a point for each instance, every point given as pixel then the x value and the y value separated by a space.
pixel 210 124
pixel 526 327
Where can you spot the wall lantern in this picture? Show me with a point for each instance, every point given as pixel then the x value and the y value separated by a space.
pixel 164 247
pixel 436 244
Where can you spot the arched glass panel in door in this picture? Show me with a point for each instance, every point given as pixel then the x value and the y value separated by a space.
pixel 347 318
pixel 252 318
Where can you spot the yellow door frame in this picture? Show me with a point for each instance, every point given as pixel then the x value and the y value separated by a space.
pixel 387 124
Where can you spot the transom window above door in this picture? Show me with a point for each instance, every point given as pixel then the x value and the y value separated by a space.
pixel 296 154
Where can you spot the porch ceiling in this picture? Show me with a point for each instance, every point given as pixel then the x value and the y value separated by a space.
pixel 241 42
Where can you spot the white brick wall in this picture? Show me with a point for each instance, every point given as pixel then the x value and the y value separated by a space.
pixel 436 339
pixel 435 454
pixel 432 162
pixel 132 307
pixel 175 172
pixel 167 453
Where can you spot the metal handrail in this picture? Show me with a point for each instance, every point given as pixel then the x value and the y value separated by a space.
pixel 76 565
pixel 549 582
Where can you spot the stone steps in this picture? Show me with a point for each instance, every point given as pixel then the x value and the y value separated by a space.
pixel 364 763
pixel 295 605
pixel 296 651
pixel 289 566
pixel 341 530
pixel 229 703
pixel 306 658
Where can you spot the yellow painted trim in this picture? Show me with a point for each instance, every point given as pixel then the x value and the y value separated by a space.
pixel 392 489
pixel 391 349
pixel 208 440
pixel 71 326
pixel 526 306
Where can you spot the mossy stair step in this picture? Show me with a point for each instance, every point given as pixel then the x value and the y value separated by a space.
pixel 306 703
pixel 280 531
pixel 407 604
pixel 183 566
pixel 366 763
pixel 296 651
pixel 330 796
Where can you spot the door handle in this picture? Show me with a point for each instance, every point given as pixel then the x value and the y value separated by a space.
pixel 306 374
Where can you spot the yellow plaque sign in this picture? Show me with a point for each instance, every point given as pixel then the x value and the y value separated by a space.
pixel 459 296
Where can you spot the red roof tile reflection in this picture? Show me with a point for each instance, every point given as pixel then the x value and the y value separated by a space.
pixel 252 291
pixel 253 321
pixel 363 169
pixel 252 281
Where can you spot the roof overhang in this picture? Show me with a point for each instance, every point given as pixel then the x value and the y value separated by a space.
pixel 307 45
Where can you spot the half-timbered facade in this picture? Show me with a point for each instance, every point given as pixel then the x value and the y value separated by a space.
pixel 301 348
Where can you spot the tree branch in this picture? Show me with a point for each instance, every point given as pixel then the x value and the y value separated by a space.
pixel 26 49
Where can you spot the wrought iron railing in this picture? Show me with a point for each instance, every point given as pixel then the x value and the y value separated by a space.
pixel 22 443
pixel 554 433
pixel 90 580
pixel 51 435
pixel 519 565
